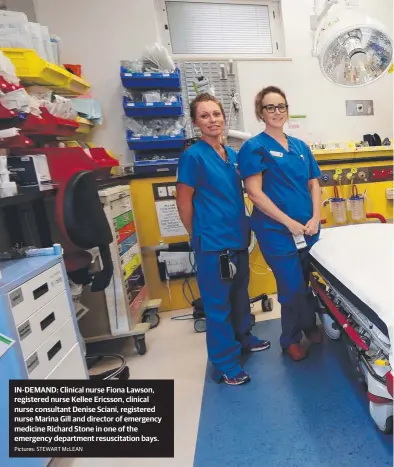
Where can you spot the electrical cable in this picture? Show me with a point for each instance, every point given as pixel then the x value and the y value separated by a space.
pixel 115 372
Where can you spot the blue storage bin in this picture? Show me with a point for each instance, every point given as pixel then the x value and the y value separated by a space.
pixel 154 109
pixel 150 80
pixel 150 167
pixel 147 143
pixel 158 155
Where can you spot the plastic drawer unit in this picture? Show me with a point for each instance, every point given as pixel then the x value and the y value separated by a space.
pixel 37 315
pixel 126 257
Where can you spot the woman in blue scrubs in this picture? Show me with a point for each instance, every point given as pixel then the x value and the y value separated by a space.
pixel 211 206
pixel 281 179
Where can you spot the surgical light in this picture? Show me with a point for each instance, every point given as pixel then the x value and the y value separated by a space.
pixel 353 49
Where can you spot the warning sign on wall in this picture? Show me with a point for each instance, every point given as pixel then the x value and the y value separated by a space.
pixel 170 223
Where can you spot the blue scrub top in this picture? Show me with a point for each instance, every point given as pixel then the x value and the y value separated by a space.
pixel 285 177
pixel 219 219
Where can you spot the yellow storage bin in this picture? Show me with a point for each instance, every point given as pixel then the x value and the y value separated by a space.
pixel 85 125
pixel 33 70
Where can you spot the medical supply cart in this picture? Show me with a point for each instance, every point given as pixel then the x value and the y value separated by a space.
pixel 124 309
pixel 156 153
pixel 39 337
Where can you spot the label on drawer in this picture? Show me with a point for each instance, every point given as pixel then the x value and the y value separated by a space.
pixel 24 330
pixel 16 297
pixel 32 362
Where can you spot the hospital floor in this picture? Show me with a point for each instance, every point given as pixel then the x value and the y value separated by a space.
pixel 304 414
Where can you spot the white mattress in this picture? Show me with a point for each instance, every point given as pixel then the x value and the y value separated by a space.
pixel 361 258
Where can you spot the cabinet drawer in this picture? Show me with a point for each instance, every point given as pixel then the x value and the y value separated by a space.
pixel 41 363
pixel 125 232
pixel 129 255
pixel 121 221
pixel 136 280
pixel 131 266
pixel 138 302
pixel 71 367
pixel 44 322
pixel 120 206
pixel 36 293
pixel 127 244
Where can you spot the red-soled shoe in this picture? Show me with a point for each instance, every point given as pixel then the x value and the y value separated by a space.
pixel 296 352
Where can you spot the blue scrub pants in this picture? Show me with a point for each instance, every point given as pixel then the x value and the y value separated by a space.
pixel 227 308
pixel 291 271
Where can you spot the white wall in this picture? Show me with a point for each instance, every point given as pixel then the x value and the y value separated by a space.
pixel 99 34
pixel 25 6
pixel 308 91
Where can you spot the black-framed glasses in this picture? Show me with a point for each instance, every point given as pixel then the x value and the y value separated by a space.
pixel 270 108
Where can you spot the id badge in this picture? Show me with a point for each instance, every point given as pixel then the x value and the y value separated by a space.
pixel 300 242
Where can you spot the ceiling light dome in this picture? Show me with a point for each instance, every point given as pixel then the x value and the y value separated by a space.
pixel 353 49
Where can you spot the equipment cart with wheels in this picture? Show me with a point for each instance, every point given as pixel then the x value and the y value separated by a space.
pixel 124 308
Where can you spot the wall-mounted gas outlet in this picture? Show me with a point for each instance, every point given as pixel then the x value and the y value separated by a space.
pixel 359 108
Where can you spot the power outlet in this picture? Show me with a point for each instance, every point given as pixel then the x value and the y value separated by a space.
pixel 359 108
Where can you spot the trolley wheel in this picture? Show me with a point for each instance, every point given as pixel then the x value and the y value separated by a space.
pixel 140 344
pixel 151 317
pixel 200 325
pixel 267 305
pixel 125 373
pixel 388 428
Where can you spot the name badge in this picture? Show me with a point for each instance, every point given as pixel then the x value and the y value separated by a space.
pixel 276 154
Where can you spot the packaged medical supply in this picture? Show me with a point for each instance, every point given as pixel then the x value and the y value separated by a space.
pixel 37 39
pixel 157 59
pixel 46 38
pixel 151 96
pixel 156 127
pixel 14 30
pixel 16 100
pixel 7 70
pixel 132 66
pixel 55 43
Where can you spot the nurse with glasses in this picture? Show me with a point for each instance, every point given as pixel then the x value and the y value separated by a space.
pixel 281 179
